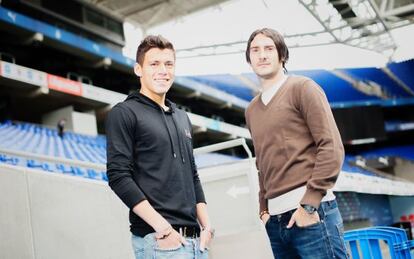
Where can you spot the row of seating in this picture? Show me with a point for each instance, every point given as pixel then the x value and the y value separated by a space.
pixel 371 74
pixel 336 89
pixel 45 141
pixel 54 167
pixel 38 139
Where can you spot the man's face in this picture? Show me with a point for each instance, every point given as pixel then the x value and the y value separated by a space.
pixel 264 58
pixel 157 71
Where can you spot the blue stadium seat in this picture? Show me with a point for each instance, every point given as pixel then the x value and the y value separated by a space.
pixel 92 174
pixel 367 242
pixel 104 176
pixel 36 164
pixel 66 169
pixel 9 160
pixel 80 172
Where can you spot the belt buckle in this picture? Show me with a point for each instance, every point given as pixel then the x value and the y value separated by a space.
pixel 185 232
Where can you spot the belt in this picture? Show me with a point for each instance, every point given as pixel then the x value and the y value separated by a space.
pixel 191 232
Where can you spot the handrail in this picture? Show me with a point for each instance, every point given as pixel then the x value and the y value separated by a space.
pixel 51 159
pixel 252 175
pixel 201 150
pixel 224 145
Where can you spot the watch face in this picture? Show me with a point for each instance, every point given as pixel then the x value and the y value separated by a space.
pixel 309 208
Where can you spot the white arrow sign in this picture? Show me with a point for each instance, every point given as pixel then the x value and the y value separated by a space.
pixel 234 191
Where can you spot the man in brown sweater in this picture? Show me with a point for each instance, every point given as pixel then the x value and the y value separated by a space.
pixel 299 154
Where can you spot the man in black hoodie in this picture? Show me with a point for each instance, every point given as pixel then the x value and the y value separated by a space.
pixel 150 163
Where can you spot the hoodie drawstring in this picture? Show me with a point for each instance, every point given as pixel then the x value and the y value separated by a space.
pixel 180 142
pixel 169 133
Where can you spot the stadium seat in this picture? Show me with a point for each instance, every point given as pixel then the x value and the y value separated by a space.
pixel 66 169
pixel 92 174
pixel 8 159
pixel 36 164
pixel 367 242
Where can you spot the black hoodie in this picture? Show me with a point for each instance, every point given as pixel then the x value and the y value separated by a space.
pixel 150 156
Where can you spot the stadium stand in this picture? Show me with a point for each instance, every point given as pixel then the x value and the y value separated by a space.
pixel 45 141
pixel 404 71
pixel 368 75
pixel 336 89
pixel 227 83
pixel 405 152
pixel 340 93
pixel 27 139
pixel 217 103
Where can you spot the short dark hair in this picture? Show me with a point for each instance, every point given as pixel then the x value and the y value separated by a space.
pixel 149 42
pixel 282 49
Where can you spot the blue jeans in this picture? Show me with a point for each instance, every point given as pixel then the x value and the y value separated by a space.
pixel 147 248
pixel 321 240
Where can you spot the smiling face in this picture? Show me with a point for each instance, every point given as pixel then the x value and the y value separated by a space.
pixel 156 73
pixel 264 57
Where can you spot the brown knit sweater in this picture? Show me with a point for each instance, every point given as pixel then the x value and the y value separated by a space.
pixel 296 141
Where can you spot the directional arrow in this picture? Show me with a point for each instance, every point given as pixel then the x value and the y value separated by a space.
pixel 234 191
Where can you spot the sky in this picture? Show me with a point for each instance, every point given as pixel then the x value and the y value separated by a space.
pixel 234 21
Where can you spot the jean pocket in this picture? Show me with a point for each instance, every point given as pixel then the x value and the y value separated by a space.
pixel 311 226
pixel 173 249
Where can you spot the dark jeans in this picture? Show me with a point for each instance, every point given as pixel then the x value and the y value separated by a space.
pixel 321 240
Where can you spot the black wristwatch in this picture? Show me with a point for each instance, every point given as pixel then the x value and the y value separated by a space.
pixel 308 208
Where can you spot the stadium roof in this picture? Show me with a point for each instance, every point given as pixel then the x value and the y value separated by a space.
pixel 205 28
pixel 149 13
